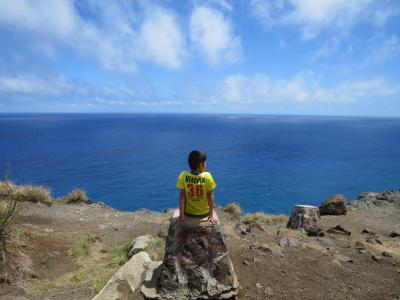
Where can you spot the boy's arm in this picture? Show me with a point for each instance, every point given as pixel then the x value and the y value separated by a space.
pixel 210 197
pixel 182 200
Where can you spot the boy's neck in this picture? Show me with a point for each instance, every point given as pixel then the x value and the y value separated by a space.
pixel 197 171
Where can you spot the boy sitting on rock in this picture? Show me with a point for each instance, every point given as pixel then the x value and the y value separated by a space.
pixel 196 198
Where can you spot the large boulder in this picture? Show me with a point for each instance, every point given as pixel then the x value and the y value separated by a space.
pixel 335 205
pixel 196 265
pixel 126 280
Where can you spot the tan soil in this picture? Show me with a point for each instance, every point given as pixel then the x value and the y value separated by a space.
pixel 44 235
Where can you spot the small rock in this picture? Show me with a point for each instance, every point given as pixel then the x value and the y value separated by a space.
pixel 367 231
pixel 289 242
pixel 268 292
pixel 386 254
pixel 398 271
pixel 394 234
pixel 376 257
pixel 363 251
pixel 336 262
pixel 343 258
pixel 327 242
pixel 242 229
pixel 360 246
pixel 373 240
pixel 338 230
pixel 275 250
pixel 259 286
pixel 245 262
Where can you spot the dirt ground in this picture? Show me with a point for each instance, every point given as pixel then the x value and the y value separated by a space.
pixel 331 267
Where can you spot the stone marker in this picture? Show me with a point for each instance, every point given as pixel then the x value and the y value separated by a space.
pixel 196 264
pixel 305 217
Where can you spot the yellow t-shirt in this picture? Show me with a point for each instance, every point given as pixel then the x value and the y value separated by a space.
pixel 196 188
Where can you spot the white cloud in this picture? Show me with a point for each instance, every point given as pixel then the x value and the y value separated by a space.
pixel 113 35
pixel 303 87
pixel 29 84
pixel 212 32
pixel 314 16
pixel 162 39
pixel 382 50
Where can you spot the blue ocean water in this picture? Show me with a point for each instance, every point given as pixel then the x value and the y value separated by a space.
pixel 267 163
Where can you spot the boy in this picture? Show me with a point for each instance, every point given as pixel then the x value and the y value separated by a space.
pixel 196 198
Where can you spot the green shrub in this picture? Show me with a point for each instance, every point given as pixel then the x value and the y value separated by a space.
pixel 77 196
pixel 265 218
pixel 233 209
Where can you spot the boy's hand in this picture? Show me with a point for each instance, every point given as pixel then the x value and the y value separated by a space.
pixel 212 220
pixel 181 219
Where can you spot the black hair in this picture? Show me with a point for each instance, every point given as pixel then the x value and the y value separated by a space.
pixel 195 158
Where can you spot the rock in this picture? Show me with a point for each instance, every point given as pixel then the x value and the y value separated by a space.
pixel 367 231
pixel 386 254
pixel 327 242
pixel 376 257
pixel 373 240
pixel 305 217
pixel 398 271
pixel 274 250
pixel 338 230
pixel 242 229
pixel 268 292
pixel 336 262
pixel 363 251
pixel 126 280
pixel 245 262
pixel 259 286
pixel 343 258
pixel 394 234
pixel 335 205
pixel 138 244
pixel 196 264
pixel 360 246
pixel 289 242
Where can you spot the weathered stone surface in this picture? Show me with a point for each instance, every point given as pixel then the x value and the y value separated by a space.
pixel 196 265
pixel 335 205
pixel 305 217
pixel 126 280
pixel 138 244
pixel 327 242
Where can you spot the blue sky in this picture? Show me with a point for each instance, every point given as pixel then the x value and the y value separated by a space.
pixel 331 57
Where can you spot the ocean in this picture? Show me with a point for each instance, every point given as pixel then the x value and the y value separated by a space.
pixel 264 163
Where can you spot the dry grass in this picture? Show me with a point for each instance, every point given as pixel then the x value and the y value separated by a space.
pixel 24 193
pixel 94 268
pixel 8 210
pixel 155 248
pixel 233 209
pixel 77 196
pixel 265 218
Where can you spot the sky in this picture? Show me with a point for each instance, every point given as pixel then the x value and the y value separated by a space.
pixel 306 57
